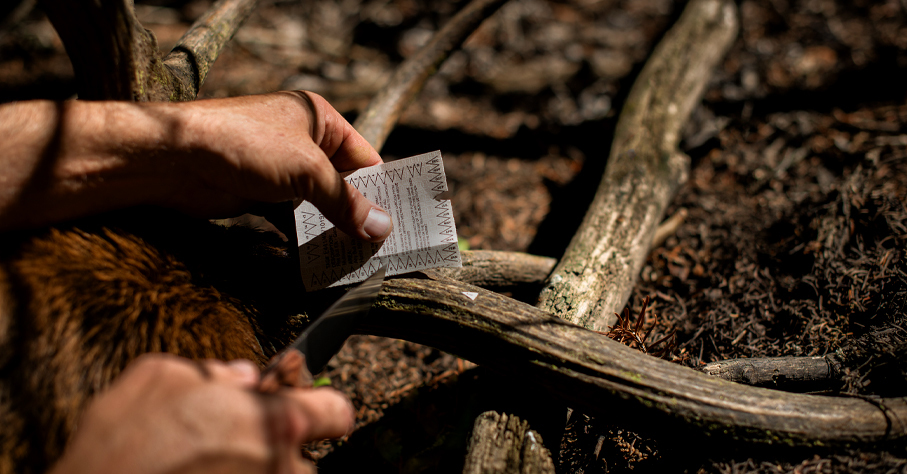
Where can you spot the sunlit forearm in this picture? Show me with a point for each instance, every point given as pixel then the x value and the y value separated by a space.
pixel 64 160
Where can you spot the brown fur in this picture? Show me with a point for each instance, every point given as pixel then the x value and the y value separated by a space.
pixel 79 302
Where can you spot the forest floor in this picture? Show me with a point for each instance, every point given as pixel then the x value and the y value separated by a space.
pixel 795 236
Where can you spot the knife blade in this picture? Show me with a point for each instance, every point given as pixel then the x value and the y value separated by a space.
pixel 326 334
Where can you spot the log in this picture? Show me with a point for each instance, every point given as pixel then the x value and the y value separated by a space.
pixel 598 376
pixel 381 114
pixel 598 271
pixel 504 443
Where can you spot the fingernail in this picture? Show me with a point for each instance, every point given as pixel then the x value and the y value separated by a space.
pixel 377 224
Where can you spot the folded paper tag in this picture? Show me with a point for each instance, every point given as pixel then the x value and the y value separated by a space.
pixel 424 234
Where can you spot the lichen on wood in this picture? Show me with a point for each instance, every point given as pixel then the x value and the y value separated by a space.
pixel 596 274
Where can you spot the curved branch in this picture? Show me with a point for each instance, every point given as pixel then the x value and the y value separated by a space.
pixel 379 117
pixel 497 270
pixel 598 376
pixel 597 273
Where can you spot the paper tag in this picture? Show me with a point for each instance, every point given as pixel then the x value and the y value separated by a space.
pixel 424 234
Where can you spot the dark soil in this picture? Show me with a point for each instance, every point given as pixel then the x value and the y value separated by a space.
pixel 796 229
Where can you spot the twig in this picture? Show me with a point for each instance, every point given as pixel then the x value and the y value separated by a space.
pixel 669 227
pixel 379 118
pixel 784 373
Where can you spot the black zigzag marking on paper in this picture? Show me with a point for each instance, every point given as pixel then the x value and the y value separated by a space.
pixel 406 263
pixel 448 234
pixel 437 170
pixel 325 277
pixel 306 218
pixel 383 177
pixel 342 275
pixel 312 250
pixel 452 253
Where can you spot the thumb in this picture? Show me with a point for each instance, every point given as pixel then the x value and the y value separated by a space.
pixel 347 208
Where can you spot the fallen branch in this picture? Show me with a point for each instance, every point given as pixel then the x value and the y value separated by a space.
pixel 783 373
pixel 598 376
pixel 669 227
pixel 379 118
pixel 877 354
pixel 497 270
pixel 594 278
pixel 597 273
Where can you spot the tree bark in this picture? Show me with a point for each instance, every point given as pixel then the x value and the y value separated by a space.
pixel 504 443
pixel 115 58
pixel 598 376
pixel 596 274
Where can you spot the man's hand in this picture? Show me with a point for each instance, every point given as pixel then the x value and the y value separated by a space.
pixel 276 147
pixel 212 158
pixel 165 414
